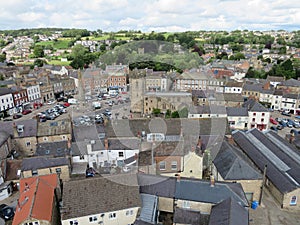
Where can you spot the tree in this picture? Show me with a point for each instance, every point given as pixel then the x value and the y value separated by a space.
pixel 38 51
pixel 175 114
pixel 81 57
pixel 183 113
pixel 156 111
pixel 2 57
pixel 39 62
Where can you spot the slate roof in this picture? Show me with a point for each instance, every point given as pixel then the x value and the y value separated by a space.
pixel 202 191
pixel 3 137
pixel 56 149
pixel 233 165
pixel 35 163
pixel 56 127
pixel 5 91
pixel 229 212
pixel 236 111
pixel 290 83
pixel 185 216
pixel 254 106
pixel 98 195
pixel 208 109
pixel 234 84
pixel 281 158
pixel 131 128
pixel 230 97
pixel 161 186
pixel 29 129
pixel 145 158
pixel 123 143
pixel 275 78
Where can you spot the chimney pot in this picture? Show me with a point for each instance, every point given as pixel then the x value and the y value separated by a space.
pixel 212 181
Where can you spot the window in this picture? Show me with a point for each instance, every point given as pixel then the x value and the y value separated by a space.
pixel 112 216
pixel 73 222
pixel 34 172
pixel 174 165
pixel 262 120
pixel 27 143
pixel 263 114
pixel 45 139
pixel 254 114
pixel 293 200
pixel 129 212
pixel 58 170
pixel 186 204
pixel 253 119
pixel 93 219
pixel 162 165
pixel 121 154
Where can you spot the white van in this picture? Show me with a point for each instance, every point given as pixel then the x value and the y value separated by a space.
pixel 72 101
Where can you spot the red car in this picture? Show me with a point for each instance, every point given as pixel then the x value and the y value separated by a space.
pixel 26 111
pixel 67 104
pixel 273 121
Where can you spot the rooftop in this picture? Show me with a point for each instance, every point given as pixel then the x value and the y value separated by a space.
pixel 282 158
pixel 35 163
pixel 99 195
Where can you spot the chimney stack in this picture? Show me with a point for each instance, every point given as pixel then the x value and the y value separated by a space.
pixel 212 181
pixel 106 143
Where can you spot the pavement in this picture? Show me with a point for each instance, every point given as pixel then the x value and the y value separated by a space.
pixel 270 213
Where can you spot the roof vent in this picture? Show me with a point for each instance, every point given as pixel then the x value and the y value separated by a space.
pixel 20 128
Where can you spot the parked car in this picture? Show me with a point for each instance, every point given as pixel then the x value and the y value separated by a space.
pixel 286 113
pixel 50 102
pixel 297 123
pixel 297 117
pixel 294 131
pixel 26 111
pixel 17 116
pixel 278 119
pixel 273 121
pixel 279 127
pixel 284 124
pixel 6 212
pixel 66 104
pixel 274 128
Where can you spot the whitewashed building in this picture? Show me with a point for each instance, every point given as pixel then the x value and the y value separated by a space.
pixel 33 93
pixel 6 100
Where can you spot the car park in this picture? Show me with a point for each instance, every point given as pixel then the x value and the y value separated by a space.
pixel 296 124
pixel 50 102
pixel 294 131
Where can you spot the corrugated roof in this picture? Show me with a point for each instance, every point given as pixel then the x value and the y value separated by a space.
pixel 285 181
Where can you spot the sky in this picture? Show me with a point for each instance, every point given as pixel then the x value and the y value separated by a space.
pixel 151 15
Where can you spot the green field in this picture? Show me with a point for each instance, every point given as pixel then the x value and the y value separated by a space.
pixel 59 44
pixel 58 63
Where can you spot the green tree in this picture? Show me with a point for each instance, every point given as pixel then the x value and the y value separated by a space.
pixel 2 57
pixel 39 62
pixel 175 114
pixel 156 111
pixel 183 113
pixel 38 51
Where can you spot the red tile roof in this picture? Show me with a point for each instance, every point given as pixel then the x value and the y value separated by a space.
pixel 36 198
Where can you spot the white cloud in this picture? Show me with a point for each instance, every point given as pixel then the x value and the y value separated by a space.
pixel 148 15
